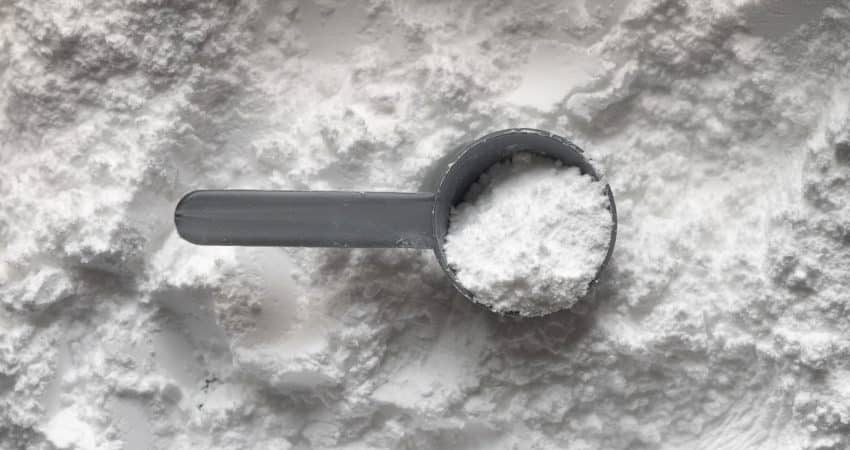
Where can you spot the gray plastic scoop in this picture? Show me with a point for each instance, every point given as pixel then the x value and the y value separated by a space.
pixel 366 219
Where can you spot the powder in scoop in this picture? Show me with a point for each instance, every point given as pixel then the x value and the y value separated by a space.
pixel 529 236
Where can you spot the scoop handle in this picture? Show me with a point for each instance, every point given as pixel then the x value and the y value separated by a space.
pixel 306 218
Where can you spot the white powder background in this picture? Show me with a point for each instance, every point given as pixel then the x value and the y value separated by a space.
pixel 530 236
pixel 722 126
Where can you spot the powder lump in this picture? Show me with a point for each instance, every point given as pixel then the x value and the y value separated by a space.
pixel 530 236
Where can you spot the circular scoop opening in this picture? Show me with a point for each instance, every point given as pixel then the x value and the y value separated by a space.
pixel 485 154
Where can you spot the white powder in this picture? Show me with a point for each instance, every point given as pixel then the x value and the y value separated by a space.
pixel 722 127
pixel 530 236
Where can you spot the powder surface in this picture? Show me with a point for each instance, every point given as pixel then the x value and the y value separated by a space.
pixel 723 128
pixel 530 236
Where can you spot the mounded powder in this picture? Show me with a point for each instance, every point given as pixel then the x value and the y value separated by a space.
pixel 530 235
pixel 722 126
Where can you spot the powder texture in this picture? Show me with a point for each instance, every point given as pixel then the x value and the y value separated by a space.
pixel 530 236
pixel 721 322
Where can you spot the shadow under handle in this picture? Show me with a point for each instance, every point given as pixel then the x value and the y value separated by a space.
pixel 306 218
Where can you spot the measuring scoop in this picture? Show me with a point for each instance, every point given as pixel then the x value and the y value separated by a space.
pixel 368 219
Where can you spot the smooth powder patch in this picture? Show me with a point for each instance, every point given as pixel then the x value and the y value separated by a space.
pixel 529 236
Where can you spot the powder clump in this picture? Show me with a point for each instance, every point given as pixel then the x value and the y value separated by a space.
pixel 530 235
